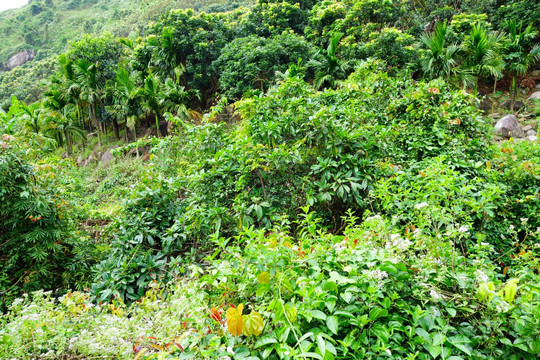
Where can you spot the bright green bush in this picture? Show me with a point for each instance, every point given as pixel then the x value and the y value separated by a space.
pixel 37 244
pixel 373 292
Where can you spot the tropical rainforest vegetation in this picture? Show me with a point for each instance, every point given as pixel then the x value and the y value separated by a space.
pixel 294 179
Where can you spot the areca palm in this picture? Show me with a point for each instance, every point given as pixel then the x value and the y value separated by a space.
pixel 33 119
pixel 482 53
pixel 153 98
pixel 87 79
pixel 175 97
pixel 329 68
pixel 126 95
pixel 440 58
pixel 63 129
pixel 517 55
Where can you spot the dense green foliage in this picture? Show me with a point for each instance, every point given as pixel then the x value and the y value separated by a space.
pixel 295 180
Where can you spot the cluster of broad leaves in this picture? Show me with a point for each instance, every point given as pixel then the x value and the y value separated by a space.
pixel 295 147
pixel 374 292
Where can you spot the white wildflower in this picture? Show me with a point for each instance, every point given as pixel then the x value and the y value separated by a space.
pixel 436 296
pixel 481 277
pixel 421 205
pixel 511 227
pixel 463 229
pixel 374 217
pixel 398 243
pixel 370 264
pixel 230 350
pixel 340 247
pixel 485 244
pixel 502 307
pixel 438 262
pixel 376 274
pixel 524 220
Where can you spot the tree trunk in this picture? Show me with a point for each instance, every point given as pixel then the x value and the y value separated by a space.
pixel 126 135
pixel 493 98
pixel 157 125
pixel 115 129
pixel 68 143
pixel 514 92
pixel 96 122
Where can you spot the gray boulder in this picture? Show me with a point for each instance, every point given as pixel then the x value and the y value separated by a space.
pixel 107 156
pixel 535 96
pixel 508 126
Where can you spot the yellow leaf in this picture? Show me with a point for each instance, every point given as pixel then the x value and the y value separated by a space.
pixel 253 324
pixel 140 353
pixel 234 320
pixel 264 277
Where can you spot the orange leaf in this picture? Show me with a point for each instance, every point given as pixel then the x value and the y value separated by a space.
pixel 234 320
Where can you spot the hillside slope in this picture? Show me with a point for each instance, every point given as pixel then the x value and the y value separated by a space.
pixel 45 27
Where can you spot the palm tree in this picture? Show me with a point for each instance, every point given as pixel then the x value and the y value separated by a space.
pixel 517 56
pixel 482 54
pixel 330 69
pixel 440 58
pixel 175 97
pixel 126 95
pixel 87 79
pixel 32 117
pixel 152 101
pixel 63 129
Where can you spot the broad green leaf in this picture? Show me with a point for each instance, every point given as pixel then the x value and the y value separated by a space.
pixel 321 344
pixel 333 324
pixel 382 332
pixel 317 314
pixel 265 340
pixel 461 342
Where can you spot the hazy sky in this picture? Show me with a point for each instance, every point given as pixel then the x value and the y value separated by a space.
pixel 11 4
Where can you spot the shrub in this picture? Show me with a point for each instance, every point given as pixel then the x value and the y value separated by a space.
pixel 37 246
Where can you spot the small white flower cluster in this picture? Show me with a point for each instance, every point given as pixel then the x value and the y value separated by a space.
pixel 436 296
pixel 502 306
pixel 463 229
pixel 374 217
pixel 340 246
pixel 438 261
pixel 421 205
pixel 376 274
pixel 524 220
pixel 398 243
pixel 481 277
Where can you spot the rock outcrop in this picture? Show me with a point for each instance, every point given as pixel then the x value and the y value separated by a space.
pixel 19 59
